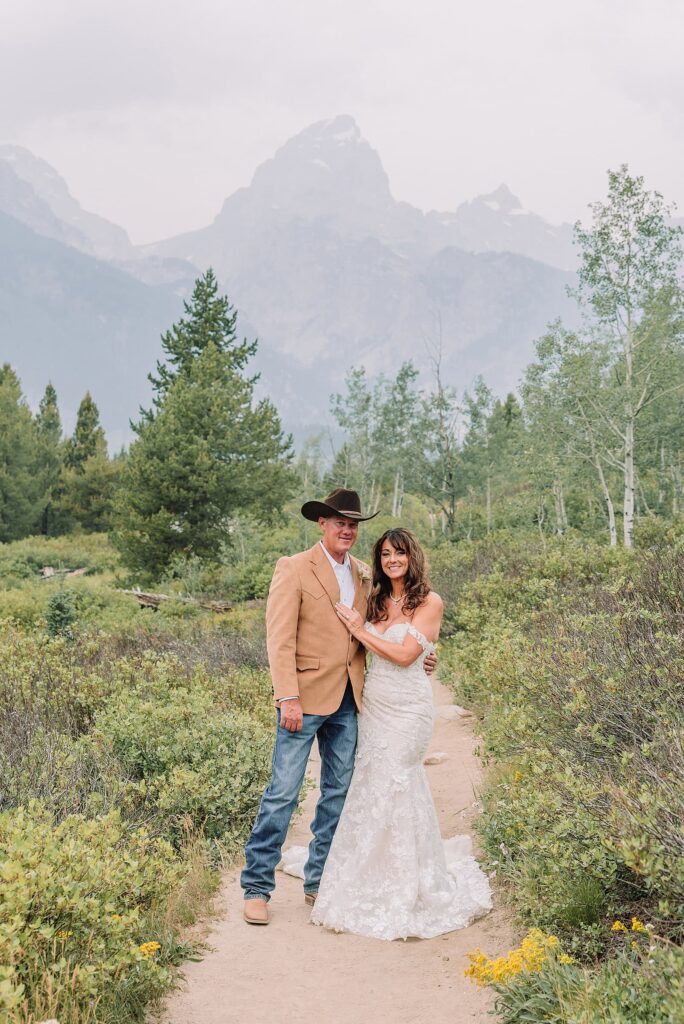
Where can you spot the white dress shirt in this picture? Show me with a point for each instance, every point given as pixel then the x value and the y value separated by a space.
pixel 343 573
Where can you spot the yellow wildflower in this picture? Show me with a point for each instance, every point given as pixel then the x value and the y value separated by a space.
pixel 517 777
pixel 115 917
pixel 618 926
pixel 148 949
pixel 64 935
pixel 638 926
pixel 535 950
pixel 565 959
pixel 634 945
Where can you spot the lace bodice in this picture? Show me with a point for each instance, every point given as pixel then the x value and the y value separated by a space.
pixel 411 630
pixel 410 674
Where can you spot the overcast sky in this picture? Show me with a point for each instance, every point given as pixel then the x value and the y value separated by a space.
pixel 155 110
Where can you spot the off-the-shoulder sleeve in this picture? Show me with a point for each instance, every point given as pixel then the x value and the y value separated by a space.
pixel 426 644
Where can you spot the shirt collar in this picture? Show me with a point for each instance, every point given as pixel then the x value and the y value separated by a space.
pixel 346 564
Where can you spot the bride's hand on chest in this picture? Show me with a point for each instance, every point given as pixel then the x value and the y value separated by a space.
pixel 350 618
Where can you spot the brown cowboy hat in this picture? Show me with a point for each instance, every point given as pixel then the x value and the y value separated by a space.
pixel 339 502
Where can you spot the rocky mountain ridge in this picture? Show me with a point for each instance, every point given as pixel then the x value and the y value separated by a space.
pixel 323 263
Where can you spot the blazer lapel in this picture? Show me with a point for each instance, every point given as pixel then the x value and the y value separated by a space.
pixel 323 571
pixel 360 596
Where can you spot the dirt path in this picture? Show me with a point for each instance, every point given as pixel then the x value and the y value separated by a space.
pixel 292 971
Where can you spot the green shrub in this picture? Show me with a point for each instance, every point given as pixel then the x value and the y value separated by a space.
pixel 640 986
pixel 74 908
pixel 573 659
pixel 194 755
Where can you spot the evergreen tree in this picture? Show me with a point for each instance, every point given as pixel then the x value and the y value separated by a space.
pixel 87 493
pixel 49 455
pixel 88 437
pixel 209 320
pixel 19 489
pixel 89 476
pixel 205 451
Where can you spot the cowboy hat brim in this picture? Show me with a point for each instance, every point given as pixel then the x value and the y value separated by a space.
pixel 313 510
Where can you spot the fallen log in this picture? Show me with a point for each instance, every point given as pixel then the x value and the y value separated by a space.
pixel 149 600
pixel 48 572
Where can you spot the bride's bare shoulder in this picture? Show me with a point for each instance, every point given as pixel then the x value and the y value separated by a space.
pixel 430 611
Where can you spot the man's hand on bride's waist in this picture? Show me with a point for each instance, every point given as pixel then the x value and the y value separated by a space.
pixel 430 663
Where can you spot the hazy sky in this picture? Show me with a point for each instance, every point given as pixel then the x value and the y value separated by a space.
pixel 155 110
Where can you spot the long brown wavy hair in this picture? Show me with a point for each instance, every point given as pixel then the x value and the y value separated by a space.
pixel 416 582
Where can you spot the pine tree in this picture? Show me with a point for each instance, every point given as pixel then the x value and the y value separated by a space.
pixel 87 493
pixel 205 451
pixel 89 476
pixel 19 489
pixel 49 456
pixel 88 437
pixel 209 320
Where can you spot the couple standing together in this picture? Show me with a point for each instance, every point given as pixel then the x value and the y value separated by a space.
pixel 387 873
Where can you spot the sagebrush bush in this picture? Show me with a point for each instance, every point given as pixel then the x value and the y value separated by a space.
pixel 195 755
pixel 574 660
pixel 134 745
pixel 75 896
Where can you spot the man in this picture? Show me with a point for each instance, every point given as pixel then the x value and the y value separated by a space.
pixel 317 669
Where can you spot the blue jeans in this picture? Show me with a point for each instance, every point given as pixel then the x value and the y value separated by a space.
pixel 337 743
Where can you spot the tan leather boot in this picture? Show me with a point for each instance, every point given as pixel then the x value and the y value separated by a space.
pixel 310 898
pixel 255 911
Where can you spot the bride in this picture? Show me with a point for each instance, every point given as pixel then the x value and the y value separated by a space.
pixel 388 874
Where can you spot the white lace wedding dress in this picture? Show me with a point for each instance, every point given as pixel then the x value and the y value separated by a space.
pixel 389 875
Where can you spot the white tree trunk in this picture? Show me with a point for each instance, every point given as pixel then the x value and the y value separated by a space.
pixel 676 487
pixel 397 496
pixel 628 504
pixel 559 502
pixel 608 500
pixel 629 495
pixel 489 503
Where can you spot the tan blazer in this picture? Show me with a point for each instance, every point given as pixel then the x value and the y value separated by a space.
pixel 310 651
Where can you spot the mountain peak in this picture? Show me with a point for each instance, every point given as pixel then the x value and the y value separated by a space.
pixel 38 173
pixel 86 231
pixel 326 169
pixel 340 130
pixel 501 200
